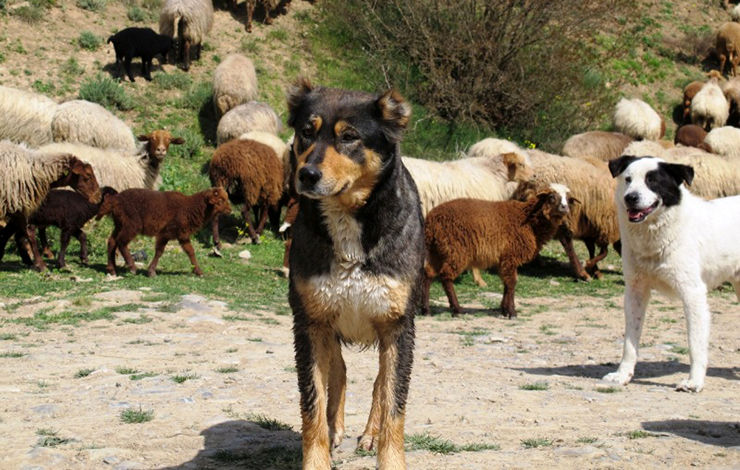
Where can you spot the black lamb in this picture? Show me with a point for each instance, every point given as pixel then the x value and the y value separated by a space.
pixel 139 42
pixel 69 211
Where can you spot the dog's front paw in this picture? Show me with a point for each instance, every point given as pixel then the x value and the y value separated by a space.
pixel 689 385
pixel 366 442
pixel 620 378
pixel 336 437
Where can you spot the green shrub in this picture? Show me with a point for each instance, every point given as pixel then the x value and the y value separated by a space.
pixel 89 41
pixel 136 14
pixel 105 91
pixel 29 14
pixel 92 5
pixel 191 149
pixel 175 80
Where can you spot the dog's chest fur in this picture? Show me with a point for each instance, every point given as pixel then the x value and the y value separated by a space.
pixel 354 300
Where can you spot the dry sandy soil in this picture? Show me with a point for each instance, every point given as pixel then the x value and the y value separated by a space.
pixel 467 388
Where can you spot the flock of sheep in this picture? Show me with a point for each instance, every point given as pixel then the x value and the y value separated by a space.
pixel 567 197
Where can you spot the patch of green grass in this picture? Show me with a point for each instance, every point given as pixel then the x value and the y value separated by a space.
pixel 586 440
pixel 83 373
pixel 131 416
pixel 609 389
pixel 92 5
pixel 182 378
pixel 679 349
pixel 8 337
pixel 266 457
pixel 142 375
pixel 176 80
pixel 88 40
pixel 105 91
pixel 533 443
pixel 431 443
pixel 268 423
pixel 536 386
pixel 29 13
pixel 227 370
pixel 136 14
pixel 126 370
pixel 41 319
pixel 139 321
pixel 639 434
pixel 11 354
pixel 49 438
pixel 548 329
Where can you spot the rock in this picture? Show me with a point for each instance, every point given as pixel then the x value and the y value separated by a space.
pixel 205 319
pixel 245 254
pixel 45 410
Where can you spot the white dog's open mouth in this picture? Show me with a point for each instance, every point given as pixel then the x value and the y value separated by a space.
pixel 638 215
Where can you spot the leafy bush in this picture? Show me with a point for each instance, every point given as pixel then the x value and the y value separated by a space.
pixel 92 5
pixel 105 91
pixel 136 14
pixel 175 80
pixel 192 146
pixel 522 67
pixel 89 41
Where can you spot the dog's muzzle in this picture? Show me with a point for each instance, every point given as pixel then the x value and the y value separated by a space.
pixel 637 214
pixel 308 177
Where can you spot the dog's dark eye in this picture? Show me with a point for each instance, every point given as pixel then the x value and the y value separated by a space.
pixel 348 137
pixel 628 179
pixel 650 178
pixel 307 132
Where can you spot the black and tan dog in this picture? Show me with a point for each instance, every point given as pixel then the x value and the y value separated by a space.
pixel 355 262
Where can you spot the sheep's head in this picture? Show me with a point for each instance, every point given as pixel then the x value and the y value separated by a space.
pixel 80 177
pixel 158 142
pixel 554 202
pixel 219 200
pixel 517 167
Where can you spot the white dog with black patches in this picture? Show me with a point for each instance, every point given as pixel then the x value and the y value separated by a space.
pixel 674 242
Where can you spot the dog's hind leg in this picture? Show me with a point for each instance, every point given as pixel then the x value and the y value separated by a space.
pixel 337 391
pixel 369 436
pixel 698 319
pixel 636 297
pixel 313 360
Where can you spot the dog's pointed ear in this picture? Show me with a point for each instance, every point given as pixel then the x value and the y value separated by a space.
pixel 395 113
pixel 680 173
pixel 296 96
pixel 617 165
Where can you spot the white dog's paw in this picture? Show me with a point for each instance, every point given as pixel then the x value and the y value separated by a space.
pixel 688 385
pixel 366 442
pixel 620 378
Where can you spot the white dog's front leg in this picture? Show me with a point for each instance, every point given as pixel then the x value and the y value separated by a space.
pixel 636 297
pixel 698 319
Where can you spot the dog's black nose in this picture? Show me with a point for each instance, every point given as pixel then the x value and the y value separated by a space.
pixel 631 199
pixel 309 175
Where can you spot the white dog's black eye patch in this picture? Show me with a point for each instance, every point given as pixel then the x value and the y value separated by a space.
pixel 665 181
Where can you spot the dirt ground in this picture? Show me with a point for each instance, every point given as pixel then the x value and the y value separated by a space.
pixel 468 387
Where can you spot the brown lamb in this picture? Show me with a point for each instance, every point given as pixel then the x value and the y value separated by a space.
pixel 688 95
pixel 167 215
pixel 69 211
pixel 692 135
pixel 252 174
pixel 467 233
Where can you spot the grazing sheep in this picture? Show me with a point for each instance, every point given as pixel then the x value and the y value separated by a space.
pixel 638 120
pixel 491 178
pixel 252 175
pixel 282 151
pixel 25 117
pixel 27 178
pixel 120 169
pixel 735 13
pixel 689 92
pixel 731 89
pixel 728 46
pixel 724 141
pixel 167 215
pixel 251 116
pixel 139 42
pixel 467 233
pixel 234 83
pixel 490 146
pixel 188 21
pixel 596 144
pixel 269 6
pixel 69 211
pixel 691 135
pixel 88 123
pixel 714 176
pixel 710 108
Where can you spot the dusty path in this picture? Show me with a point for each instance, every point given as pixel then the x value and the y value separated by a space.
pixel 466 388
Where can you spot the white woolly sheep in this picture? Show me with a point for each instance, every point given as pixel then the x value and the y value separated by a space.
pixel 27 178
pixel 88 123
pixel 638 120
pixel 714 176
pixel 724 141
pixel 189 21
pixel 728 46
pixel 25 116
pixel 710 108
pixel 122 170
pixel 251 116
pixel 735 13
pixel 234 83
pixel 596 144
pixel 490 146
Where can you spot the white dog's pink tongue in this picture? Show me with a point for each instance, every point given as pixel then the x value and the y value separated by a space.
pixel 636 214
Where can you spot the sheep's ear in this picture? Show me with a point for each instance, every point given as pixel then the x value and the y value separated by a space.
pixel 296 96
pixel 177 141
pixel 395 113
pixel 618 165
pixel 572 201
pixel 680 173
pixel 143 137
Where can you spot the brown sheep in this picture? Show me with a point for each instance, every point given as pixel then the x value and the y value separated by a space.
pixel 688 94
pixel 692 135
pixel 466 233
pixel 167 215
pixel 728 46
pixel 252 174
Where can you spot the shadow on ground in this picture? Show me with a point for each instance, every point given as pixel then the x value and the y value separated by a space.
pixel 716 433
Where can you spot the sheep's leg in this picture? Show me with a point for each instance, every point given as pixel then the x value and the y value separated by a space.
pixel 566 239
pixel 45 248
pixel 188 247
pixel 159 245
pixel 722 60
pixel 250 13
pixel 273 213
pixel 82 238
pixel 478 279
pixel 186 54
pixel 591 265
pixel 508 274
pixel 122 241
pixel 38 261
pixel 250 227
pixel 127 63
pixel 449 288
pixel 262 219
pixel 64 243
pixel 111 267
pixel 5 235
pixel 214 230
pixel 197 51
pixel 146 68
